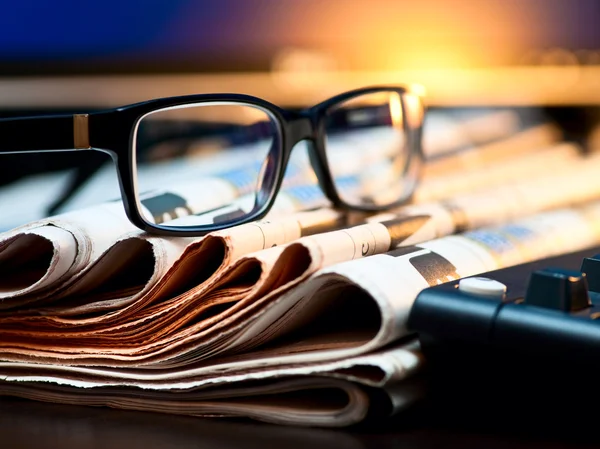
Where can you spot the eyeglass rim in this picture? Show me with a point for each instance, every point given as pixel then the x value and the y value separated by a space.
pixel 270 192
pixel 414 159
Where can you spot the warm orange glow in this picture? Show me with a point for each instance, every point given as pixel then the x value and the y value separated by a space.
pixel 396 110
pixel 417 89
pixel 398 35
pixel 414 106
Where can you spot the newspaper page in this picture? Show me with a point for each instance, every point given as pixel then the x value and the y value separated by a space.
pixel 299 401
pixel 319 401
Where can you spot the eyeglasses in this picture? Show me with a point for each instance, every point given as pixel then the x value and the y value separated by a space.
pixel 195 164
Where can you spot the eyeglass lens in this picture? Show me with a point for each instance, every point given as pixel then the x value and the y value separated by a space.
pixel 205 163
pixel 366 149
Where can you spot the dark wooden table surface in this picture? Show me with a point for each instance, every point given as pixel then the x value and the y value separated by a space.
pixel 26 424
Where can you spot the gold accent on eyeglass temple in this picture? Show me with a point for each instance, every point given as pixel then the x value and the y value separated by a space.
pixel 81 134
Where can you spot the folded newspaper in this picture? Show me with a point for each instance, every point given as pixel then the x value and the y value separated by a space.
pixel 304 353
pixel 296 319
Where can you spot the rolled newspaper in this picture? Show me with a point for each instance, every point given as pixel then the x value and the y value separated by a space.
pixel 551 160
pixel 451 132
pixel 528 141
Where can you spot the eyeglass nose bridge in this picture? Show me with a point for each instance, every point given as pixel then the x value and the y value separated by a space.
pixel 300 128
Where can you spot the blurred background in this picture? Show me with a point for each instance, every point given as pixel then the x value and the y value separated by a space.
pixel 259 35
pixel 463 51
pixel 488 69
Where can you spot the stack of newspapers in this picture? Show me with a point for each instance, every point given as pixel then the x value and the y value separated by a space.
pixel 296 319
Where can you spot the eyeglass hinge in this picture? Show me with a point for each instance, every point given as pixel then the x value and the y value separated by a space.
pixel 81 134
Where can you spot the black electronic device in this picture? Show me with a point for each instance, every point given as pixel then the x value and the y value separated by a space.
pixel 521 342
pixel 549 307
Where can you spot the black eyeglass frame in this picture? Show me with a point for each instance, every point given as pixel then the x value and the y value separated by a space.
pixel 114 132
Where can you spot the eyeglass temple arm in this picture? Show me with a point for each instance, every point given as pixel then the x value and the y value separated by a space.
pixel 47 133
